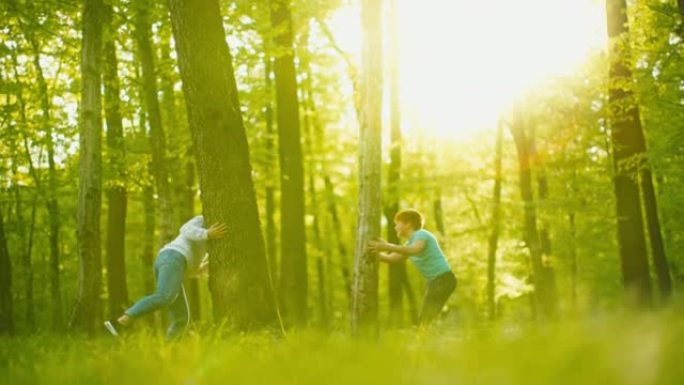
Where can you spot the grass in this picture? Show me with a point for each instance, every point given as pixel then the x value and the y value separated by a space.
pixel 618 349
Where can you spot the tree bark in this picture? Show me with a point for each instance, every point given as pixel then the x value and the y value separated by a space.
pixel 167 224
pixel 87 312
pixel 116 185
pixel 396 271
pixel 364 314
pixel 241 291
pixel 293 261
pixel 51 198
pixel 6 303
pixel 188 211
pixel 542 276
pixel 495 224
pixel 626 137
pixel 271 245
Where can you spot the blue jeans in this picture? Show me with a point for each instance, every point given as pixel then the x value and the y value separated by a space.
pixel 436 295
pixel 168 271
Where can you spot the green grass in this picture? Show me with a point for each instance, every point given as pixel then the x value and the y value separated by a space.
pixel 619 349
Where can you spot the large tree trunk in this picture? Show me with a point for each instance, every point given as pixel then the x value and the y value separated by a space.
pixel 627 141
pixel 167 224
pixel 241 291
pixel 188 211
pixel 396 271
pixel 116 185
pixel 495 224
pixel 364 314
pixel 87 312
pixel 6 305
pixel 293 270
pixel 542 276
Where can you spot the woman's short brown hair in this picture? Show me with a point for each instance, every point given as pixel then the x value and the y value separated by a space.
pixel 410 216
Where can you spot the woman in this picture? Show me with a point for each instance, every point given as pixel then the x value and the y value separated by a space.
pixel 182 257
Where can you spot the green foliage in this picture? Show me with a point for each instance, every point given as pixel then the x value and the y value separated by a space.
pixel 646 350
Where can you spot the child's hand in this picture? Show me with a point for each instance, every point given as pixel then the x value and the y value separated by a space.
pixel 377 245
pixel 217 231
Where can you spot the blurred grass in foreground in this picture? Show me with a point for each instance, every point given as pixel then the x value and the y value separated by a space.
pixel 618 349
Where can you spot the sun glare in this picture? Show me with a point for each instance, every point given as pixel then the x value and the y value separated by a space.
pixel 462 62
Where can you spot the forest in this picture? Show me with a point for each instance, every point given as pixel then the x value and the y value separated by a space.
pixel 336 153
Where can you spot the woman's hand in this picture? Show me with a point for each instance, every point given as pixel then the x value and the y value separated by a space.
pixel 217 231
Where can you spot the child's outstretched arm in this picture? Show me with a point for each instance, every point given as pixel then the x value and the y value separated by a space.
pixel 381 245
pixel 391 257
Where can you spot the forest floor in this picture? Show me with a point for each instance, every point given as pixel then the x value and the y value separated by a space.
pixel 616 349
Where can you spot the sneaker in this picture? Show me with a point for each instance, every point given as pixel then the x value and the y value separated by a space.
pixel 111 327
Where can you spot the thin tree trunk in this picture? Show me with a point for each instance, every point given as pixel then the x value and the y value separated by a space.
pixel 271 249
pixel 544 289
pixel 364 314
pixel 396 271
pixel 51 199
pixel 338 238
pixel 293 261
pixel 626 137
pixel 88 309
pixel 238 280
pixel 6 303
pixel 439 213
pixel 167 225
pixel 495 224
pixel 655 235
pixel 147 253
pixel 116 186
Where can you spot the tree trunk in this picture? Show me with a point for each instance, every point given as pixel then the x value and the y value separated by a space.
pixel 87 312
pixel 6 305
pixel 116 186
pixel 51 199
pixel 626 137
pixel 396 271
pixel 293 270
pixel 364 314
pixel 338 238
pixel 167 224
pixel 238 281
pixel 147 254
pixel 188 211
pixel 271 249
pixel 655 235
pixel 495 224
pixel 542 276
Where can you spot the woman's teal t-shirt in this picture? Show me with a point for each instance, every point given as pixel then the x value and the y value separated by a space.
pixel 431 261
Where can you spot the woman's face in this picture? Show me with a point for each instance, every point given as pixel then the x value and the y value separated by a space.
pixel 403 229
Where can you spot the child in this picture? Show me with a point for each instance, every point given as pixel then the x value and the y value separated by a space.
pixel 183 256
pixel 423 250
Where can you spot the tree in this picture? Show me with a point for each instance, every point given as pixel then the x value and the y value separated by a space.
pixel 116 184
pixel 167 224
pixel 239 284
pixel 495 223
pixel 364 310
pixel 627 141
pixel 397 271
pixel 542 275
pixel 87 311
pixel 293 261
pixel 6 303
